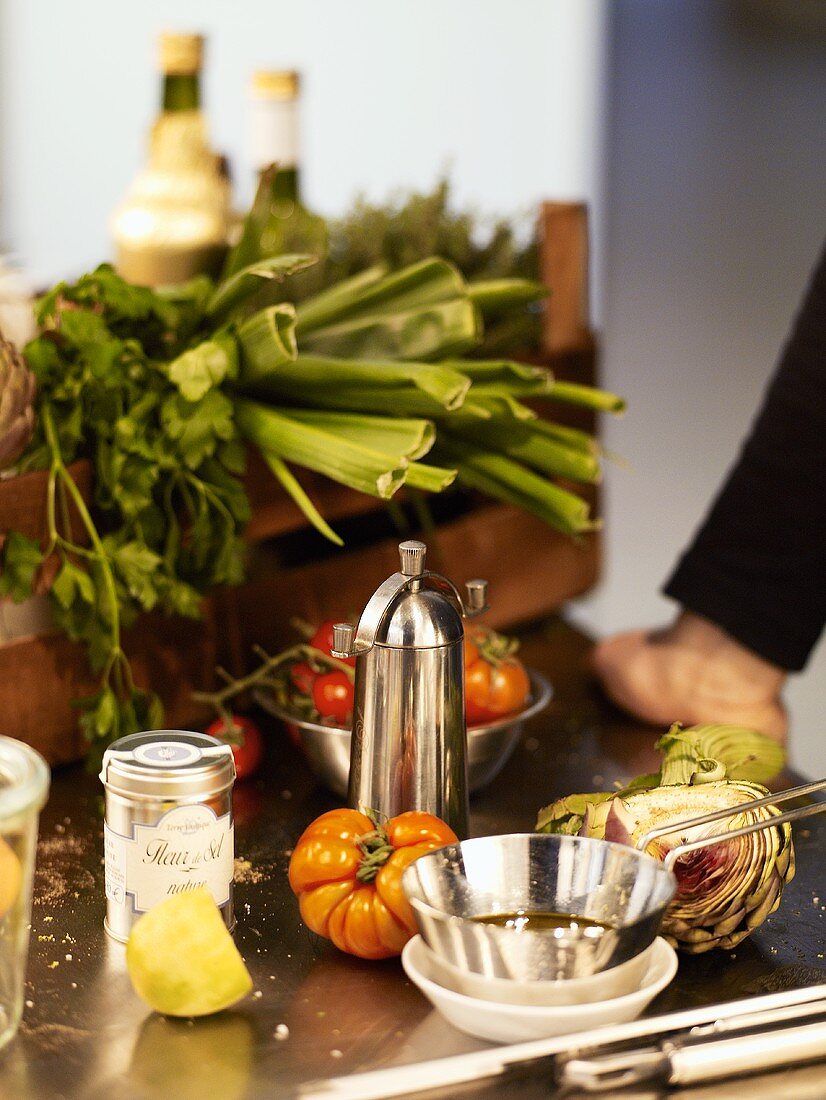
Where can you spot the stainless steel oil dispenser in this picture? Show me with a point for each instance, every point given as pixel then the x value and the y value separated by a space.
pixel 409 740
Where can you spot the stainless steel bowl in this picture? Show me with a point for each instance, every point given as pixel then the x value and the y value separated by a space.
pixel 327 748
pixel 537 873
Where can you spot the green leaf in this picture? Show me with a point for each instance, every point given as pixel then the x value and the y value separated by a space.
pixel 233 456
pixel 218 482
pixel 137 566
pixel 235 290
pixel 324 380
pixel 486 371
pixel 292 486
pixel 746 754
pixel 22 557
pixel 501 477
pixel 180 598
pixel 205 366
pixel 131 480
pixel 422 332
pixel 106 712
pixel 420 312
pixel 426 283
pixel 333 303
pixel 587 396
pixel 566 815
pixel 432 479
pixel 196 428
pixel 393 435
pixel 525 441
pixel 65 585
pixel 496 295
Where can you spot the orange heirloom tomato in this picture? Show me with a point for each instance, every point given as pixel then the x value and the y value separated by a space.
pixel 346 873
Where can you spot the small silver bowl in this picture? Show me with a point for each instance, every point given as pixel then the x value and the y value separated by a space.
pixel 327 748
pixel 537 873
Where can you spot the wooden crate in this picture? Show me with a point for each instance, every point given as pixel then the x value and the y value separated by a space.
pixel 532 570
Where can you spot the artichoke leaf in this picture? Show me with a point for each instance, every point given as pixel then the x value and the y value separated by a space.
pixel 744 753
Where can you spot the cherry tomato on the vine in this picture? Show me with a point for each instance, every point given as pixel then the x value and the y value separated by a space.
pixel 496 683
pixel 244 738
pixel 333 696
pixel 303 678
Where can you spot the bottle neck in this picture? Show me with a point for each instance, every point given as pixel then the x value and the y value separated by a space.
pixel 286 185
pixel 275 141
pixel 181 92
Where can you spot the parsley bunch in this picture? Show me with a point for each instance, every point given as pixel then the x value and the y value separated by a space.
pixel 166 456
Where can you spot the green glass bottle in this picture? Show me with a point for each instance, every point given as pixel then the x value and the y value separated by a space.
pixel 289 225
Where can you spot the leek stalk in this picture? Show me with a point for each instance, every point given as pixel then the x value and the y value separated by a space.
pixel 318 380
pixel 493 295
pixel 362 468
pixel 267 341
pixel 235 290
pixel 374 293
pixel 501 477
pixel 526 442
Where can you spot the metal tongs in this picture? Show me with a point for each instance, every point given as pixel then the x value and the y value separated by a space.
pixel 701 1044
pixel 731 811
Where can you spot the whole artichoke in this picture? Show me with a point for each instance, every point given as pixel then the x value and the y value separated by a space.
pixel 17 390
pixel 725 890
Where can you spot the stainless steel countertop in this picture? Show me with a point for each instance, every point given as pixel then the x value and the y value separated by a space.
pixel 85 1034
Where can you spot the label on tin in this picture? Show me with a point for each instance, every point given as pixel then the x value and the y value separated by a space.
pixel 187 848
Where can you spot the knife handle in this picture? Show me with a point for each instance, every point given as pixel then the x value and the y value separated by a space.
pixel 745 1054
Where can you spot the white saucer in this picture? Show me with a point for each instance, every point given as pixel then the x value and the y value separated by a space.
pixel 510 1023
pixel 608 984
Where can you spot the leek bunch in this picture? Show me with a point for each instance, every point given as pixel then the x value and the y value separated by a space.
pixel 362 381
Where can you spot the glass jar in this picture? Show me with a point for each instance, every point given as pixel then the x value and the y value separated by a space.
pixel 24 787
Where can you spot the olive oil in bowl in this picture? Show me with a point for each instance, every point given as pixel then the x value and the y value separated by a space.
pixel 529 920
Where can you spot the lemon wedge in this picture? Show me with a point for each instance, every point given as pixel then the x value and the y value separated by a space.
pixel 182 960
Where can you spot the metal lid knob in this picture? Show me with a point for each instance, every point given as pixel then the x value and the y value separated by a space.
pixel 477 596
pixel 412 555
pixel 342 647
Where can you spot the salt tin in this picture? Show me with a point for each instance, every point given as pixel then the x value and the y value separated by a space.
pixel 169 825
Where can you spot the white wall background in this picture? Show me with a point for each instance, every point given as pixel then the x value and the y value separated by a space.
pixel 711 192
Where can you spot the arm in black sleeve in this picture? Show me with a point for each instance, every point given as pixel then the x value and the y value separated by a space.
pixel 757 565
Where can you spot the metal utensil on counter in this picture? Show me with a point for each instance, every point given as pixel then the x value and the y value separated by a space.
pixel 754 1014
pixel 751 1043
pixel 408 747
pixel 687 825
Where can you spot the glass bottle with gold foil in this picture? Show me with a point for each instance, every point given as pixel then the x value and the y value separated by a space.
pixel 174 221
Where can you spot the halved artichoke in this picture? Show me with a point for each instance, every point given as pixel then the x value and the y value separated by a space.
pixel 725 890
pixel 17 391
pixel 728 889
